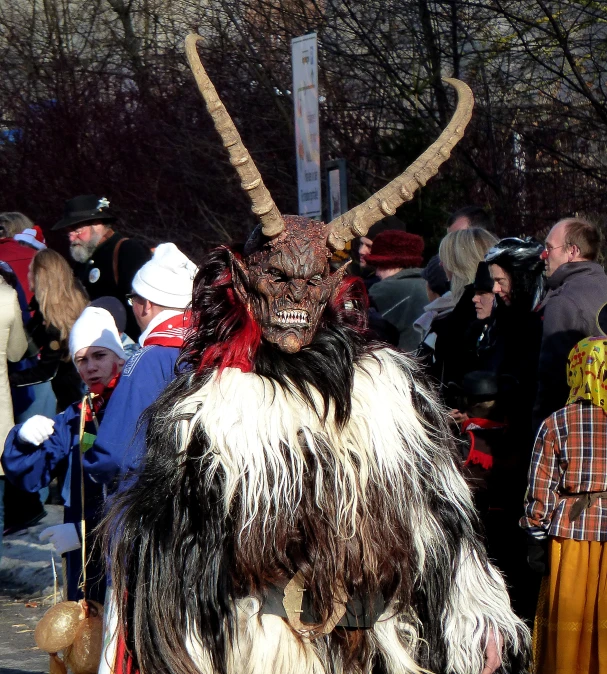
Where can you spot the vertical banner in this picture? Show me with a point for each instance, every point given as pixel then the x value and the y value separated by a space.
pixel 337 188
pixel 307 138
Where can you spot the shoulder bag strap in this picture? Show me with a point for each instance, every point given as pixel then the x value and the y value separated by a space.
pixel 115 258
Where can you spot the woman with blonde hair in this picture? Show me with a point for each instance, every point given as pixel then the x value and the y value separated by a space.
pixel 58 301
pixel 459 253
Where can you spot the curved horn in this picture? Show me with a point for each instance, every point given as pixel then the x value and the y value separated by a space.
pixel 263 205
pixel 358 220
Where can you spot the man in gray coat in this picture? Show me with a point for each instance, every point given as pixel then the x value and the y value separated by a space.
pixel 400 295
pixel 577 289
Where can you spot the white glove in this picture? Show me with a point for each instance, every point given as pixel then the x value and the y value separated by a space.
pixel 63 536
pixel 36 429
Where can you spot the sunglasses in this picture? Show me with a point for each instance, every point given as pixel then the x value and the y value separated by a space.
pixel 130 298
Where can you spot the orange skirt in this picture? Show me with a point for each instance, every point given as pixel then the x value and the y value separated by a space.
pixel 570 635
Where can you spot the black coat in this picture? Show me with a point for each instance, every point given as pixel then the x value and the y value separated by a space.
pixel 454 350
pixel 53 363
pixel 97 273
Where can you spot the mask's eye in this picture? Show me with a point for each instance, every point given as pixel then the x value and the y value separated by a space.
pixel 315 280
pixel 277 275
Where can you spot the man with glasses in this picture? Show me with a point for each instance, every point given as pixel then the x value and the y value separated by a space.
pixel 106 261
pixel 577 289
pixel 161 295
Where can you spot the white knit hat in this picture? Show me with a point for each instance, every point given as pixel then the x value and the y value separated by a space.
pixel 95 327
pixel 167 279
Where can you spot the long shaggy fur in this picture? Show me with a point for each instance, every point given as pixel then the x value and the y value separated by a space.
pixel 335 461
pixel 246 483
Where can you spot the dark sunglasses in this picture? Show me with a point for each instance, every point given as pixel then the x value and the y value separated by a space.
pixel 130 297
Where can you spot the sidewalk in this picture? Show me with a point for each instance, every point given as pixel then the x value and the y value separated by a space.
pixel 26 592
pixel 25 567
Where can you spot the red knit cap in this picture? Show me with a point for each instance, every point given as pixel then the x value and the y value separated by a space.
pixel 394 248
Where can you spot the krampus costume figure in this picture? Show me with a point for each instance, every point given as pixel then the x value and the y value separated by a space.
pixel 300 510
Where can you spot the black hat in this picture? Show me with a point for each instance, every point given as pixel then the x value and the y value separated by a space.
pixel 483 283
pixel 481 385
pixel 435 276
pixel 85 208
pixel 115 307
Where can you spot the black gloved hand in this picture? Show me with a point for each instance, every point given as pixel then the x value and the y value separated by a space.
pixel 537 554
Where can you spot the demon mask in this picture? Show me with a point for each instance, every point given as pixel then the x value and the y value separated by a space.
pixel 284 278
pixel 286 281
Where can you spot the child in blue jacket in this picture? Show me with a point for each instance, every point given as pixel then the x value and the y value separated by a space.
pixel 42 448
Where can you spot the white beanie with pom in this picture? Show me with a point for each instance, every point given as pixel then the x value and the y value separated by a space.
pixel 167 279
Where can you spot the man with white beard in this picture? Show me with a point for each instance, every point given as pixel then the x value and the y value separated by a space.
pixel 106 260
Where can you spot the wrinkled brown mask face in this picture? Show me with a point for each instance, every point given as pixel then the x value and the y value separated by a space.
pixel 287 283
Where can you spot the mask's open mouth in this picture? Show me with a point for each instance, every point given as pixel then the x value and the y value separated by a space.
pixel 293 317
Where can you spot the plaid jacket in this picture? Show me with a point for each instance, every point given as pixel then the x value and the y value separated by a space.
pixel 569 458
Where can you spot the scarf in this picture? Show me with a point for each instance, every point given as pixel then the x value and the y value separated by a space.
pixel 586 372
pixel 171 332
pixel 480 453
pixel 98 396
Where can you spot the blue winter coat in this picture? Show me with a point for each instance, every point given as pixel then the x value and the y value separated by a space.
pixel 120 444
pixel 32 467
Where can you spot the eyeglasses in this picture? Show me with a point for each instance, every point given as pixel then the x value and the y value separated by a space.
pixel 76 231
pixel 130 297
pixel 550 248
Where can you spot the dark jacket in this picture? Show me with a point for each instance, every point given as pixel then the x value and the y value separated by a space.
pixel 576 292
pixel 53 363
pixel 97 273
pixel 454 351
pixel 400 299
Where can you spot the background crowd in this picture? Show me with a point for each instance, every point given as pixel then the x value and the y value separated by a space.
pixel 509 330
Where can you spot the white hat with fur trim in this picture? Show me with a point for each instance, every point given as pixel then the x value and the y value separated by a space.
pixel 167 279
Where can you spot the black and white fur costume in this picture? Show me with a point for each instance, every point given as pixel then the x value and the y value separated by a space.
pixel 335 461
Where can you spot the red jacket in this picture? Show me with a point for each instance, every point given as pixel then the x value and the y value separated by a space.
pixel 19 256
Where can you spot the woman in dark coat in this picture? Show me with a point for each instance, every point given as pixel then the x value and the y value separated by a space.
pixel 517 271
pixel 459 252
pixel 58 301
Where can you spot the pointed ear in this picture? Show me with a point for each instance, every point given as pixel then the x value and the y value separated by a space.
pixel 337 278
pixel 240 278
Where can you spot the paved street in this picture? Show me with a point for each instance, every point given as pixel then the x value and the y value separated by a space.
pixel 18 652
pixel 26 586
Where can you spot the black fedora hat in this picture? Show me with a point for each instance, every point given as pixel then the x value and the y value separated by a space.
pixel 85 208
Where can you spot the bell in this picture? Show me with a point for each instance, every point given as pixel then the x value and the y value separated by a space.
pixel 84 655
pixel 75 628
pixel 57 627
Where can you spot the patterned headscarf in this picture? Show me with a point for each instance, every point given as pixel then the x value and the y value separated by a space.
pixel 586 372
